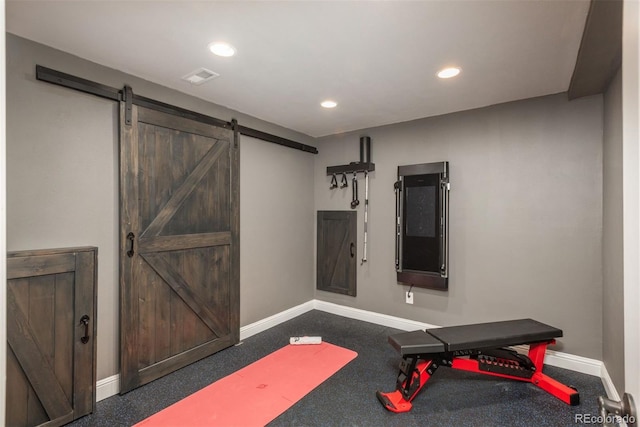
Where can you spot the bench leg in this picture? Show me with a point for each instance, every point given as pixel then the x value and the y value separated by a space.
pixel 413 376
pixel 568 395
pixel 537 351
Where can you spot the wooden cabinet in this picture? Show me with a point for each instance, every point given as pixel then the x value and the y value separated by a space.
pixel 51 332
pixel 336 252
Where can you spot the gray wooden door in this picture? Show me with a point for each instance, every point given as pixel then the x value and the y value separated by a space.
pixel 336 252
pixel 51 373
pixel 179 261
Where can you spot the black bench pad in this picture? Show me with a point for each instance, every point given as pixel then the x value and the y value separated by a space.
pixel 473 337
pixel 494 334
pixel 416 342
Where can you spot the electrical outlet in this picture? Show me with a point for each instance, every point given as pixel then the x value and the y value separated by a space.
pixel 409 297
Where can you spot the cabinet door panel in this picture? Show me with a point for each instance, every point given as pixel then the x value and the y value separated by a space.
pixel 337 251
pixel 50 360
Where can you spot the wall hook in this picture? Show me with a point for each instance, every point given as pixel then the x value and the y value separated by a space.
pixel 334 182
pixel 344 183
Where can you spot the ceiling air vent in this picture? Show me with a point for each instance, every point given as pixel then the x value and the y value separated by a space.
pixel 200 76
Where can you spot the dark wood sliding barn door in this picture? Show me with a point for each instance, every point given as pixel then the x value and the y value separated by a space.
pixel 179 252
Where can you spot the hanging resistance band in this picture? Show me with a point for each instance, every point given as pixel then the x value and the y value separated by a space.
pixel 366 215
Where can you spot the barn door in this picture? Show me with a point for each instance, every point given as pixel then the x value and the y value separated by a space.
pixel 179 253
pixel 51 336
pixel 336 252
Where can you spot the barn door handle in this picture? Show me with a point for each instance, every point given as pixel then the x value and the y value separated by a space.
pixel 351 250
pixel 84 320
pixel 130 238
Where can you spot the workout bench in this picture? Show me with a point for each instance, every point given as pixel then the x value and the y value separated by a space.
pixel 474 348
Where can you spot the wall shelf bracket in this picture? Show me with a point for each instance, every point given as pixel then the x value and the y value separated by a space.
pixel 364 165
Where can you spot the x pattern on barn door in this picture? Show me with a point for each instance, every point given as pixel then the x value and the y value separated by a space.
pixel 179 253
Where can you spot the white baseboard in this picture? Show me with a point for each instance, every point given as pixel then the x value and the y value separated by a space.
pixel 276 319
pixel 107 387
pixel 574 363
pixel 553 358
pixel 371 317
pixel 111 386
pixel 609 387
pixel 568 361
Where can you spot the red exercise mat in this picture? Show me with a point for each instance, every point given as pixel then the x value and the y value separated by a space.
pixel 258 393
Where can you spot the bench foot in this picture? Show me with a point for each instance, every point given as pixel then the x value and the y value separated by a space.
pixel 568 395
pixel 414 374
pixel 394 401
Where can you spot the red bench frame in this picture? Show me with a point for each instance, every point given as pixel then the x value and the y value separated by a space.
pixel 416 370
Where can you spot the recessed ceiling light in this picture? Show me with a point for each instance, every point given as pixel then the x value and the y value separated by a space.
pixel 329 104
pixel 447 73
pixel 222 49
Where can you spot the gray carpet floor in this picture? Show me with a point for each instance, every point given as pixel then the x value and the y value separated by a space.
pixel 451 398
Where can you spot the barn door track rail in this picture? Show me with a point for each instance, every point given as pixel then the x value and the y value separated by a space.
pixel 126 94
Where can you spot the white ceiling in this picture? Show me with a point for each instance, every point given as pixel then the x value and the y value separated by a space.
pixel 377 59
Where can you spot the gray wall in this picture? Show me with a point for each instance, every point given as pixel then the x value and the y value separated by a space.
pixel 612 236
pixel 526 215
pixel 62 187
pixel 276 229
pixel 526 203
